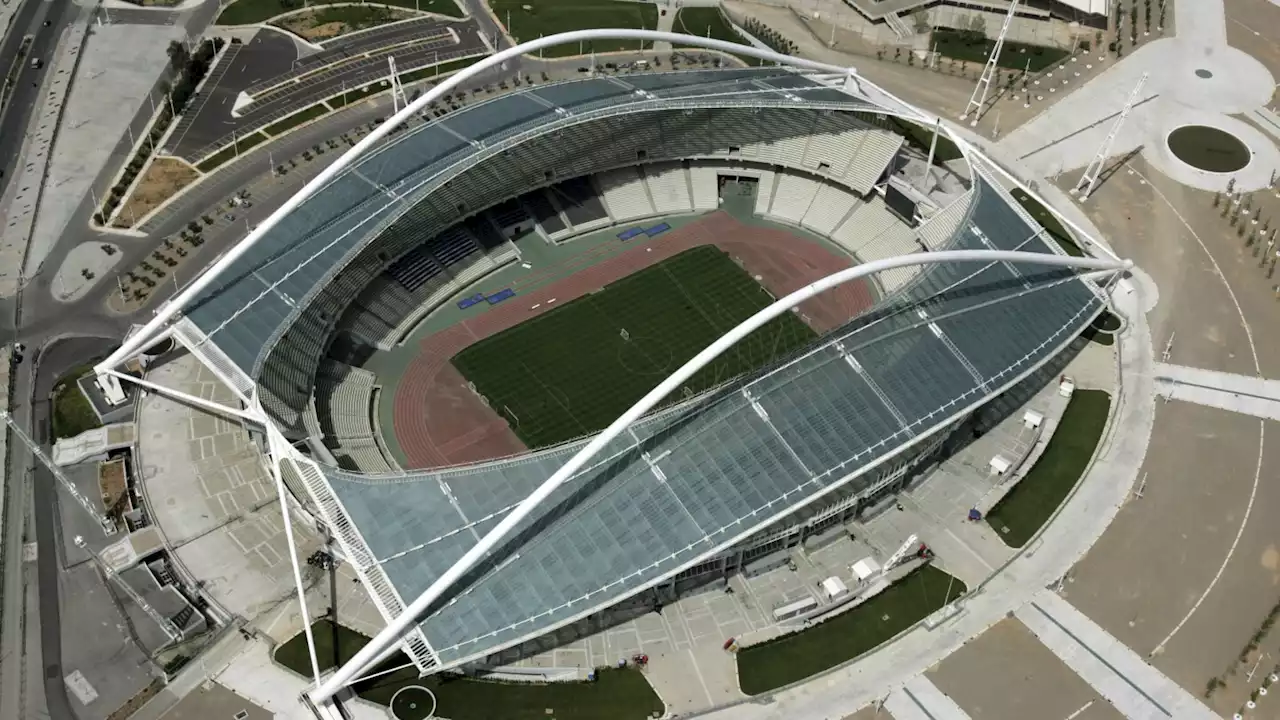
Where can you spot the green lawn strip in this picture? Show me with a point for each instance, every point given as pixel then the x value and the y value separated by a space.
pixel 975 47
pixel 551 389
pixel 1035 498
pixel 1049 221
pixel 621 694
pixel 548 17
pixel 440 69
pixel 72 413
pixel 230 152
pixel 799 655
pixel 296 119
pixel 248 12
pixel 709 22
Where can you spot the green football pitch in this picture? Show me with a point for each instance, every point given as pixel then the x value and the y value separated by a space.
pixel 572 371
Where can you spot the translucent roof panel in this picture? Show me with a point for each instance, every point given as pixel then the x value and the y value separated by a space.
pixel 698 478
pixel 315 241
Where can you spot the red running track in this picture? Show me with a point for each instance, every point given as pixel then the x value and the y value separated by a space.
pixel 439 421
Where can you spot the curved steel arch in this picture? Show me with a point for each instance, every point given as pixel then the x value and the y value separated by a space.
pixel 171 308
pixel 391 634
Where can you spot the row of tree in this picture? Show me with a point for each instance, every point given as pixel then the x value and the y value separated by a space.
pixel 769 36
pixel 188 68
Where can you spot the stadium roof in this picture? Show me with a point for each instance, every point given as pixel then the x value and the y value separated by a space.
pixel 684 485
pixel 267 287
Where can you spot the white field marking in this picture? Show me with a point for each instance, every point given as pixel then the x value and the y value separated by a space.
pixel 1253 492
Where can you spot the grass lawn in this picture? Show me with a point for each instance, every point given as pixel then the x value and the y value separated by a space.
pixel 296 119
pixel 230 152
pixel 1051 224
pixel 620 694
pixel 571 371
pixel 1021 513
pixel 247 12
pixel 72 413
pixel 548 17
pixel 794 657
pixel 974 47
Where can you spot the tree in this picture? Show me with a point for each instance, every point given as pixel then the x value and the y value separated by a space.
pixel 177 55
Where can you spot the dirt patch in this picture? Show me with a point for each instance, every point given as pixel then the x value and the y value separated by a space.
pixel 113 485
pixel 328 23
pixel 163 179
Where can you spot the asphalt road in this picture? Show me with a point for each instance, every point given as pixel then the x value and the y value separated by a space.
pixel 276 97
pixel 16 114
pixel 53 362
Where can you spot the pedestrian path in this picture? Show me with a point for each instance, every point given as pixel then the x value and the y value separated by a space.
pixel 920 699
pixel 1136 689
pixel 1244 394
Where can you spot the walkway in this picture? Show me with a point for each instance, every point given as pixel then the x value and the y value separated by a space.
pixel 1227 391
pixel 1122 677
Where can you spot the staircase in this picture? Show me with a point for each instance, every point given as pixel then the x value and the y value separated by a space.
pixel 898 25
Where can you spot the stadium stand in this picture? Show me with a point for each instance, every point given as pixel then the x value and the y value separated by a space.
pixel 764 192
pixel 581 204
pixel 793 198
pixel 510 218
pixel 625 195
pixel 938 230
pixel 874 154
pixel 867 222
pixel 830 207
pixel 893 239
pixel 706 189
pixel 669 187
pixel 362 456
pixel 544 213
pixel 344 401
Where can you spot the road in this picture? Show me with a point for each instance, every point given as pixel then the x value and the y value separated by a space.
pixel 16 114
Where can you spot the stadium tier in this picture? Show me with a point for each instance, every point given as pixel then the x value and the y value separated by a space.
pixel 709 485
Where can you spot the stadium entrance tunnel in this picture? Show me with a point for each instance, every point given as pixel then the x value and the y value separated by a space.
pixel 1209 148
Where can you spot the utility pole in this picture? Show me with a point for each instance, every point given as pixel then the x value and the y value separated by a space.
pixel 397 90
pixel 979 96
pixel 1090 178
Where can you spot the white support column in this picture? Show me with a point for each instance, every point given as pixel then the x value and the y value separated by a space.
pixel 1089 180
pixel 274 439
pixel 189 399
pixel 928 166
pixel 398 97
pixel 979 97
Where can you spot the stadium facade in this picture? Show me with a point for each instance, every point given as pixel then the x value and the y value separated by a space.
pixel 699 489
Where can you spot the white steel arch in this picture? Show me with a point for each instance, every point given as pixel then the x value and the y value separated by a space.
pixel 155 325
pixel 390 635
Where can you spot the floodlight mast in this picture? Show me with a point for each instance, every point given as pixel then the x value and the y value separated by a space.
pixel 170 309
pixel 391 634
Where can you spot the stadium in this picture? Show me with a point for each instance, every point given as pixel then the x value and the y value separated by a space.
pixel 591 339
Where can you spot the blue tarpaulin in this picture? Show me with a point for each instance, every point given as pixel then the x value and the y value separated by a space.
pixel 501 295
pixel 467 302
